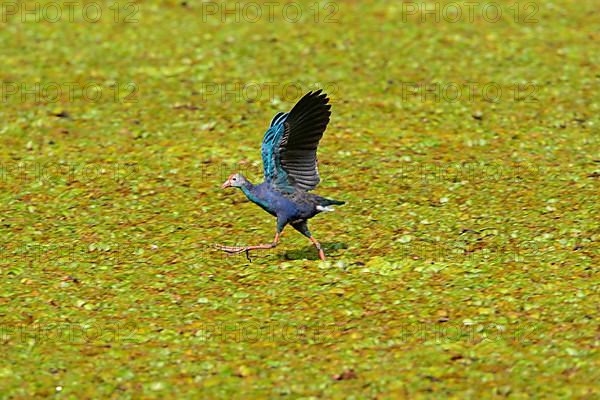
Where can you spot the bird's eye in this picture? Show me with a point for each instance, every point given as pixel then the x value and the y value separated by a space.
pixel 234 179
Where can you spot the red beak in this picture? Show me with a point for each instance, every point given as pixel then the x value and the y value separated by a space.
pixel 226 184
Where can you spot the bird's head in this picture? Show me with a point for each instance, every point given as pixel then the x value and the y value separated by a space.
pixel 235 180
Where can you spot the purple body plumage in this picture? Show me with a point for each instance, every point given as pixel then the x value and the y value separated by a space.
pixel 289 153
pixel 287 207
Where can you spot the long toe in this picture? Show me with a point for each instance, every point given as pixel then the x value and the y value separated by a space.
pixel 231 249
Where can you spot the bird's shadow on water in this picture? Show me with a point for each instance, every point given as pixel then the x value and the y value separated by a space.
pixel 331 249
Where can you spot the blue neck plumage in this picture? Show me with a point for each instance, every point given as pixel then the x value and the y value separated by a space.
pixel 249 190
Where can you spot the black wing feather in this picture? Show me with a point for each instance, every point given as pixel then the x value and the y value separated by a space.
pixel 304 128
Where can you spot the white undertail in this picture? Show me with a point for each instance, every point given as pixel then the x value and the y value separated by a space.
pixel 321 208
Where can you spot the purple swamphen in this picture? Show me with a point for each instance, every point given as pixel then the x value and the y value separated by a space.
pixel 289 154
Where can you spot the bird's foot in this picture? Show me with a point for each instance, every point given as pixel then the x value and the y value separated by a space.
pixel 319 248
pixel 231 249
pixel 235 250
pixel 240 249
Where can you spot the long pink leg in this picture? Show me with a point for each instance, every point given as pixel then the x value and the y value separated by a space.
pixel 240 249
pixel 318 246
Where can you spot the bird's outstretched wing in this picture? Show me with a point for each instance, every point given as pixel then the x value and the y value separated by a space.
pixel 289 147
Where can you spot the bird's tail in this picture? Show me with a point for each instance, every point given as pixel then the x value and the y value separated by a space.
pixel 330 202
pixel 324 204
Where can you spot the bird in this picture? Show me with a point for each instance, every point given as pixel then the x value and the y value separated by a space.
pixel 289 156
